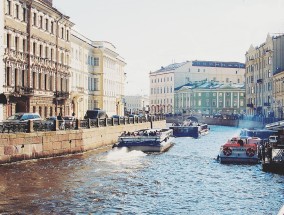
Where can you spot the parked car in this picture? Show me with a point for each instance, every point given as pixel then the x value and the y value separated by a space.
pixel 70 121
pixel 18 121
pixel 51 120
pixel 95 114
pixel 117 117
pixel 133 115
pixel 22 117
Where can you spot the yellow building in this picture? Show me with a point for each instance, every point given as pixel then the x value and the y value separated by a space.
pixel 37 57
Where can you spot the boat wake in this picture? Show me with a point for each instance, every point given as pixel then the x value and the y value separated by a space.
pixel 122 154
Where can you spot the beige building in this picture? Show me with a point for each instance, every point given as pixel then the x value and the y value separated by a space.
pixel 98 77
pixel 164 81
pixel 36 60
pixel 264 78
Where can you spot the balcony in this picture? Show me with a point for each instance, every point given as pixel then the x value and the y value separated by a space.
pixel 60 95
pixel 266 104
pixel 24 91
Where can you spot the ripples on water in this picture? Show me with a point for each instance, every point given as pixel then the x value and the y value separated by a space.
pixel 184 180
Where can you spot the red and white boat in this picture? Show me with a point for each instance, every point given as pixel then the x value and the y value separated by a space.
pixel 240 151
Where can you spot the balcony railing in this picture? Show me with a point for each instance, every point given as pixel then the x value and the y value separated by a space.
pixel 24 90
pixel 61 95
pixel 267 104
pixel 250 105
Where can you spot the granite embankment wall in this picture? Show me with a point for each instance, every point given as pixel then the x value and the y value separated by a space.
pixel 25 146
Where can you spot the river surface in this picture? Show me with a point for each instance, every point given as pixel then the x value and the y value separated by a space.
pixel 185 180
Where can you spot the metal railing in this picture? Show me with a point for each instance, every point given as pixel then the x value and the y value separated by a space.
pixel 56 125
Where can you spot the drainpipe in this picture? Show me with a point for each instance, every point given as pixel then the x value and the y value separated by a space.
pixel 29 27
pixel 57 60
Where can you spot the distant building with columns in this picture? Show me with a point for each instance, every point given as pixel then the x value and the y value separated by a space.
pixel 211 97
pixel 165 80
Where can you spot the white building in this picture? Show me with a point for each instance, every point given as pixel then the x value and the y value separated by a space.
pixel 112 76
pixel 165 80
pixel 98 77
pixel 137 104
pixel 81 48
pixel 2 69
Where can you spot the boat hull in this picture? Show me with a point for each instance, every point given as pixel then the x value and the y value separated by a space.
pixel 148 148
pixel 147 141
pixel 273 167
pixel 238 155
pixel 238 160
pixel 188 131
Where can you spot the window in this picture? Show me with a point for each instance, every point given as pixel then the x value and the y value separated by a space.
pixel 51 54
pixel 8 76
pixel 17 11
pixel 227 80
pixel 34 80
pixel 41 22
pixel 9 7
pixel 51 27
pixel 8 41
pixel 17 43
pixel 35 20
pixel 45 82
pixel 269 73
pixel 46 24
pixel 46 52
pixel 40 50
pixel 24 14
pixel 23 78
pixel 67 35
pixel 96 63
pixel 62 33
pixel 24 45
pixel 39 80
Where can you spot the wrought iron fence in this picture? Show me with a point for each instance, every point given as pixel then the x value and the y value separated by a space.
pixel 52 125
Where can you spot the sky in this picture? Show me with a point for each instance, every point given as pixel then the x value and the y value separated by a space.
pixel 149 34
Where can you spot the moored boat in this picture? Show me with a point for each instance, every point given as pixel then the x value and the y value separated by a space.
pixel 273 155
pixel 146 140
pixel 190 129
pixel 273 150
pixel 240 151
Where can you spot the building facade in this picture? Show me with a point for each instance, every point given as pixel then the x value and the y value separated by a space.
pixel 137 104
pixel 110 72
pixel 81 74
pixel 36 59
pixel 264 78
pixel 165 80
pixel 205 97
pixel 98 77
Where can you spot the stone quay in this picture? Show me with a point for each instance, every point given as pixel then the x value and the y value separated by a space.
pixel 35 145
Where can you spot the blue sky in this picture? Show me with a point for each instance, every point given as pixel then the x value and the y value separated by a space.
pixel 154 33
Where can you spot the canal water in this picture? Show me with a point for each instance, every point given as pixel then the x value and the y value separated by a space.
pixel 185 180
